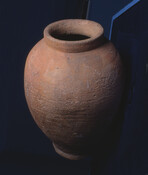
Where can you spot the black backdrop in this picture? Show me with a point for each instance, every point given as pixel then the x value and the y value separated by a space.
pixel 130 153
pixel 24 149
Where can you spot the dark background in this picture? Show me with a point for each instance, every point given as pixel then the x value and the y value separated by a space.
pixel 129 154
pixel 24 149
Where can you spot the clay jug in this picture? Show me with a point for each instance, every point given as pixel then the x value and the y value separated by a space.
pixel 73 85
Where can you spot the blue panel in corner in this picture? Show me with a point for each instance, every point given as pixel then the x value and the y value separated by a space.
pixel 102 11
pixel 123 10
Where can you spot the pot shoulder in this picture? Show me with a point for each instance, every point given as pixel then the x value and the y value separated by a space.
pixel 50 63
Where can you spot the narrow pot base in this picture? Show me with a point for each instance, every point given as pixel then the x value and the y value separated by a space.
pixel 67 155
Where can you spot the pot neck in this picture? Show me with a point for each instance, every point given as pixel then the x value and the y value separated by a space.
pixel 74 35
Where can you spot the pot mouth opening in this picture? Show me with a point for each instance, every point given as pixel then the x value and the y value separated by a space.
pixel 73 35
pixel 69 37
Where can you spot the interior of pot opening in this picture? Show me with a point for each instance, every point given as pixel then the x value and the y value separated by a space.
pixel 69 36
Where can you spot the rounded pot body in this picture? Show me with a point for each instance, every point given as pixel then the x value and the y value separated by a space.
pixel 73 85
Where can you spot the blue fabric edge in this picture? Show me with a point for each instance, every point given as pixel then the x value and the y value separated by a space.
pixel 128 6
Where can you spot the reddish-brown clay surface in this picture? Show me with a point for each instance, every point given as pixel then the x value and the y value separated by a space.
pixel 73 85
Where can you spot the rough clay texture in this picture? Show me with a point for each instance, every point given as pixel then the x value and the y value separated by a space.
pixel 73 97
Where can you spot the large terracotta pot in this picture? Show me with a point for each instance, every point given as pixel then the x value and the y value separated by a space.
pixel 73 85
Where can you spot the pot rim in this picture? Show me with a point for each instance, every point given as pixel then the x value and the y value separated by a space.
pixel 93 32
